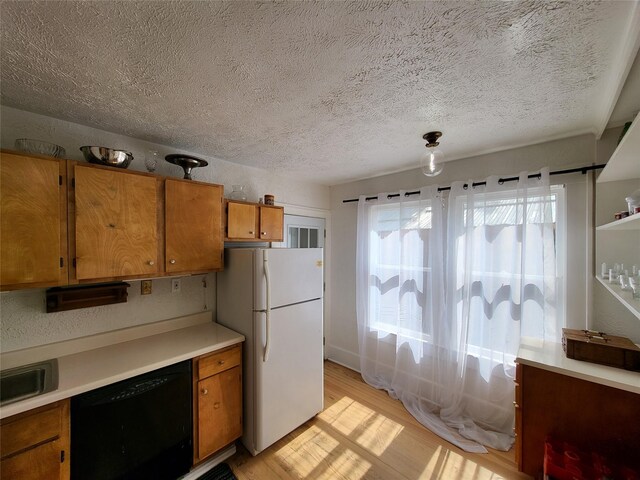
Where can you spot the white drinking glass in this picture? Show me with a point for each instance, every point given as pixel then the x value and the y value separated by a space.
pixel 151 160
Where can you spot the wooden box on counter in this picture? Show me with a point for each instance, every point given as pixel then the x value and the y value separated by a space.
pixel 598 347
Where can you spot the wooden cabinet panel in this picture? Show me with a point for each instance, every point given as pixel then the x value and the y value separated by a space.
pixel 39 463
pixel 64 222
pixel 35 444
pixel 31 429
pixel 242 222
pixel 219 361
pixel 586 414
pixel 518 416
pixel 193 226
pixel 271 223
pixel 252 221
pixel 219 411
pixel 217 401
pixel 115 223
pixel 33 216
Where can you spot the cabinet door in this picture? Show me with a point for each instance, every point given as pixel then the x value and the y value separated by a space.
pixel 40 463
pixel 33 216
pixel 219 411
pixel 271 223
pixel 35 444
pixel 241 221
pixel 115 223
pixel 193 226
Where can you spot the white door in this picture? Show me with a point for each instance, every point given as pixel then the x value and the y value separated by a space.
pixel 303 232
pixel 289 383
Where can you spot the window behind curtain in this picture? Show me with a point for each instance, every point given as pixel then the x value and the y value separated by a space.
pixel 398 279
pixel 508 271
pixel 396 304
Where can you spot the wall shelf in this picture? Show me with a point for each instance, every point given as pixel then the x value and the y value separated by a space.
pixel 624 163
pixel 631 222
pixel 625 297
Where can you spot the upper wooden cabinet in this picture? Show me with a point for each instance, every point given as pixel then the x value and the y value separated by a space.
pixel 115 223
pixel 252 221
pixel 193 226
pixel 271 223
pixel 33 212
pixel 66 222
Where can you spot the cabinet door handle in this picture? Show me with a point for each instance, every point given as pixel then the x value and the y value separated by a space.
pixel 263 233
pixel 216 405
pixel 151 262
pixel 204 391
pixel 172 261
pixel 221 362
pixel 251 233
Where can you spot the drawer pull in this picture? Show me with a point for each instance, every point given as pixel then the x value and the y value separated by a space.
pixel 515 404
pixel 172 261
pixel 251 233
pixel 216 405
pixel 151 262
pixel 204 391
pixel 263 233
pixel 221 362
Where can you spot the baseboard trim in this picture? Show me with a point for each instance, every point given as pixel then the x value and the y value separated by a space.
pixel 343 357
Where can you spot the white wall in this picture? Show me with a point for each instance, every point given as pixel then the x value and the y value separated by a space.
pixel 23 321
pixel 342 343
pixel 18 124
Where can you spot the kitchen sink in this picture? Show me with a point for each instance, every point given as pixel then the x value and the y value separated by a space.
pixel 28 381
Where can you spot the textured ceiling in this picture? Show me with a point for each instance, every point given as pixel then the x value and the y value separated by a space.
pixel 327 91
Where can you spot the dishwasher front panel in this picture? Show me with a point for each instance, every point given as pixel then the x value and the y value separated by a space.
pixel 139 428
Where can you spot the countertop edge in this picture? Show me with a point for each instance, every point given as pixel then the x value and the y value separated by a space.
pixel 550 356
pixel 78 365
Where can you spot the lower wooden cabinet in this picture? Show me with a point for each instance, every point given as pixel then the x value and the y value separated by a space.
pixel 582 413
pixel 217 396
pixel 35 444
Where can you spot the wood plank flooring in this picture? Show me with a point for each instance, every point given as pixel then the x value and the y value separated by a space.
pixel 365 434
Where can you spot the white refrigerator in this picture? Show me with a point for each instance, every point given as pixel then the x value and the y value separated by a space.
pixel 273 296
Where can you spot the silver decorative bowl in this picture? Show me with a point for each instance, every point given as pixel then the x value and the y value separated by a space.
pixel 107 156
pixel 30 145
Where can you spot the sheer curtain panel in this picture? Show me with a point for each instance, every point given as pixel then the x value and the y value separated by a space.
pixel 444 291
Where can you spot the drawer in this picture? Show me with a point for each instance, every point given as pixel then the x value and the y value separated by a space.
pixel 219 361
pixel 31 428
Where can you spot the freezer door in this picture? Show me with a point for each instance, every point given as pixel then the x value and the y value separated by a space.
pixel 296 275
pixel 289 384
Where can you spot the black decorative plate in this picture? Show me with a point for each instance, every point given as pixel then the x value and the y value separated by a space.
pixel 187 162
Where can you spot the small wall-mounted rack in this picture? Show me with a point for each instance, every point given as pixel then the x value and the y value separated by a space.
pixel 60 299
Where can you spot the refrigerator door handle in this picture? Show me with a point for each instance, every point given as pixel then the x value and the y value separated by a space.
pixel 267 277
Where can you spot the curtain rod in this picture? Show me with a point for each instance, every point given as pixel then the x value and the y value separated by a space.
pixel 582 170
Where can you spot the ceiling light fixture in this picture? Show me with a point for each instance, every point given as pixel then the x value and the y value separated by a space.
pixel 431 161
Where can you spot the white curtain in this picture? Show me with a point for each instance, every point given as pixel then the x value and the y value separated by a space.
pixel 444 290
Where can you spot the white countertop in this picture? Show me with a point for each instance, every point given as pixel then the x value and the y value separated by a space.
pixel 550 356
pixel 86 370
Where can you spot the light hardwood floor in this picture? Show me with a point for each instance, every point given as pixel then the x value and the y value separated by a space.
pixel 365 434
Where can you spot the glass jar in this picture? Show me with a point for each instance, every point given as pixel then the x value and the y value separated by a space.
pixel 238 193
pixel 633 202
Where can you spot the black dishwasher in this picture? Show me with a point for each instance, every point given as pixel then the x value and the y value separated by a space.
pixel 139 428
